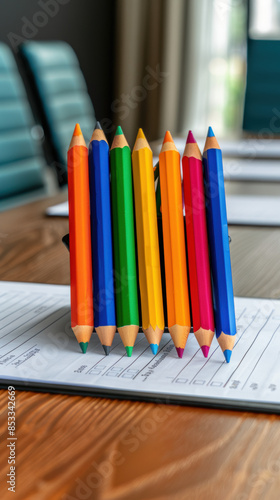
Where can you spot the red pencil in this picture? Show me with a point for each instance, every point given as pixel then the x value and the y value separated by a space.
pixel 197 242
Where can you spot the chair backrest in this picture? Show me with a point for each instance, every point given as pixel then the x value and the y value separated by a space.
pixel 62 91
pixel 262 96
pixel 21 160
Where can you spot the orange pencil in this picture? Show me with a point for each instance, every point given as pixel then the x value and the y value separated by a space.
pixel 80 240
pixel 177 294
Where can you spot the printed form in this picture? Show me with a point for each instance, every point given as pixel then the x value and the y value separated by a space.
pixel 38 350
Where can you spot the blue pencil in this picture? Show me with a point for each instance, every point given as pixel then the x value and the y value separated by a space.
pixel 101 236
pixel 223 298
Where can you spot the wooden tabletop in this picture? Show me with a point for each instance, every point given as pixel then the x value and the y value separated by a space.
pixel 78 448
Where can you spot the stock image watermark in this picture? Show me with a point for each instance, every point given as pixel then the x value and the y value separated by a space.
pixel 138 93
pixel 100 472
pixel 48 9
pixel 11 439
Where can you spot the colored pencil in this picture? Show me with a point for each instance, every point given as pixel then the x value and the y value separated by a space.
pixel 219 245
pixel 197 244
pixel 147 242
pixel 175 258
pixel 101 234
pixel 126 291
pixel 79 240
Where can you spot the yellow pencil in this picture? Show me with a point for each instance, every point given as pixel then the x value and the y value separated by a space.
pixel 147 242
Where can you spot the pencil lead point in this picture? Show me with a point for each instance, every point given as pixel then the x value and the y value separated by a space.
pixel 227 355
pixel 119 131
pixel 140 134
pixel 106 349
pixel 190 138
pixel 210 132
pixel 180 351
pixel 167 137
pixel 129 350
pixel 83 346
pixel 154 348
pixel 98 126
pixel 205 350
pixel 77 130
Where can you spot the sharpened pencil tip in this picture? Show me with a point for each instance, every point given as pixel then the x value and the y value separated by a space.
pixel 154 348
pixel 227 355
pixel 140 134
pixel 180 351
pixel 77 130
pixel 119 131
pixel 190 138
pixel 167 137
pixel 106 349
pixel 210 132
pixel 129 350
pixel 98 126
pixel 83 346
pixel 205 350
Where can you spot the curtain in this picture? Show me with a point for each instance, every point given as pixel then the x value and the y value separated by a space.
pixel 179 65
pixel 149 52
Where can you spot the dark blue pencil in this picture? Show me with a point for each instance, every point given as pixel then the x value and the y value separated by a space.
pixel 101 235
pixel 223 299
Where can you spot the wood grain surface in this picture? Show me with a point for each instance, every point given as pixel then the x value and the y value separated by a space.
pixel 78 448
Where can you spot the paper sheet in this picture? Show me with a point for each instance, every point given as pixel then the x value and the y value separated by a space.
pixel 253 210
pixel 38 350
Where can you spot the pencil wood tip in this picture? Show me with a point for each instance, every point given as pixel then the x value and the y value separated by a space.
pixel 211 141
pixel 77 138
pixel 167 137
pixel 190 138
pixel 141 141
pixel 98 134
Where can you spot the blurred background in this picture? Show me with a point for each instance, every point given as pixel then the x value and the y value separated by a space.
pixel 158 64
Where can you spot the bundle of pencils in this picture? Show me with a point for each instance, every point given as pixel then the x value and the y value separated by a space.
pixel 122 267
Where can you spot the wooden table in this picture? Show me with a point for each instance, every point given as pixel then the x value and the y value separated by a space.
pixel 71 447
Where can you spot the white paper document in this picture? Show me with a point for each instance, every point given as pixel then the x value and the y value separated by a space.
pixel 253 210
pixel 38 351
pixel 60 210
pixel 240 169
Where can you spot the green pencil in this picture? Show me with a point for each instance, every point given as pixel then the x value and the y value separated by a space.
pixel 124 241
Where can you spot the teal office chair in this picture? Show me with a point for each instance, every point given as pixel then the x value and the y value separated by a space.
pixel 262 96
pixel 22 166
pixel 62 94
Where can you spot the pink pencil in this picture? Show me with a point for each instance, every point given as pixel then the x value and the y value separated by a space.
pixel 197 243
